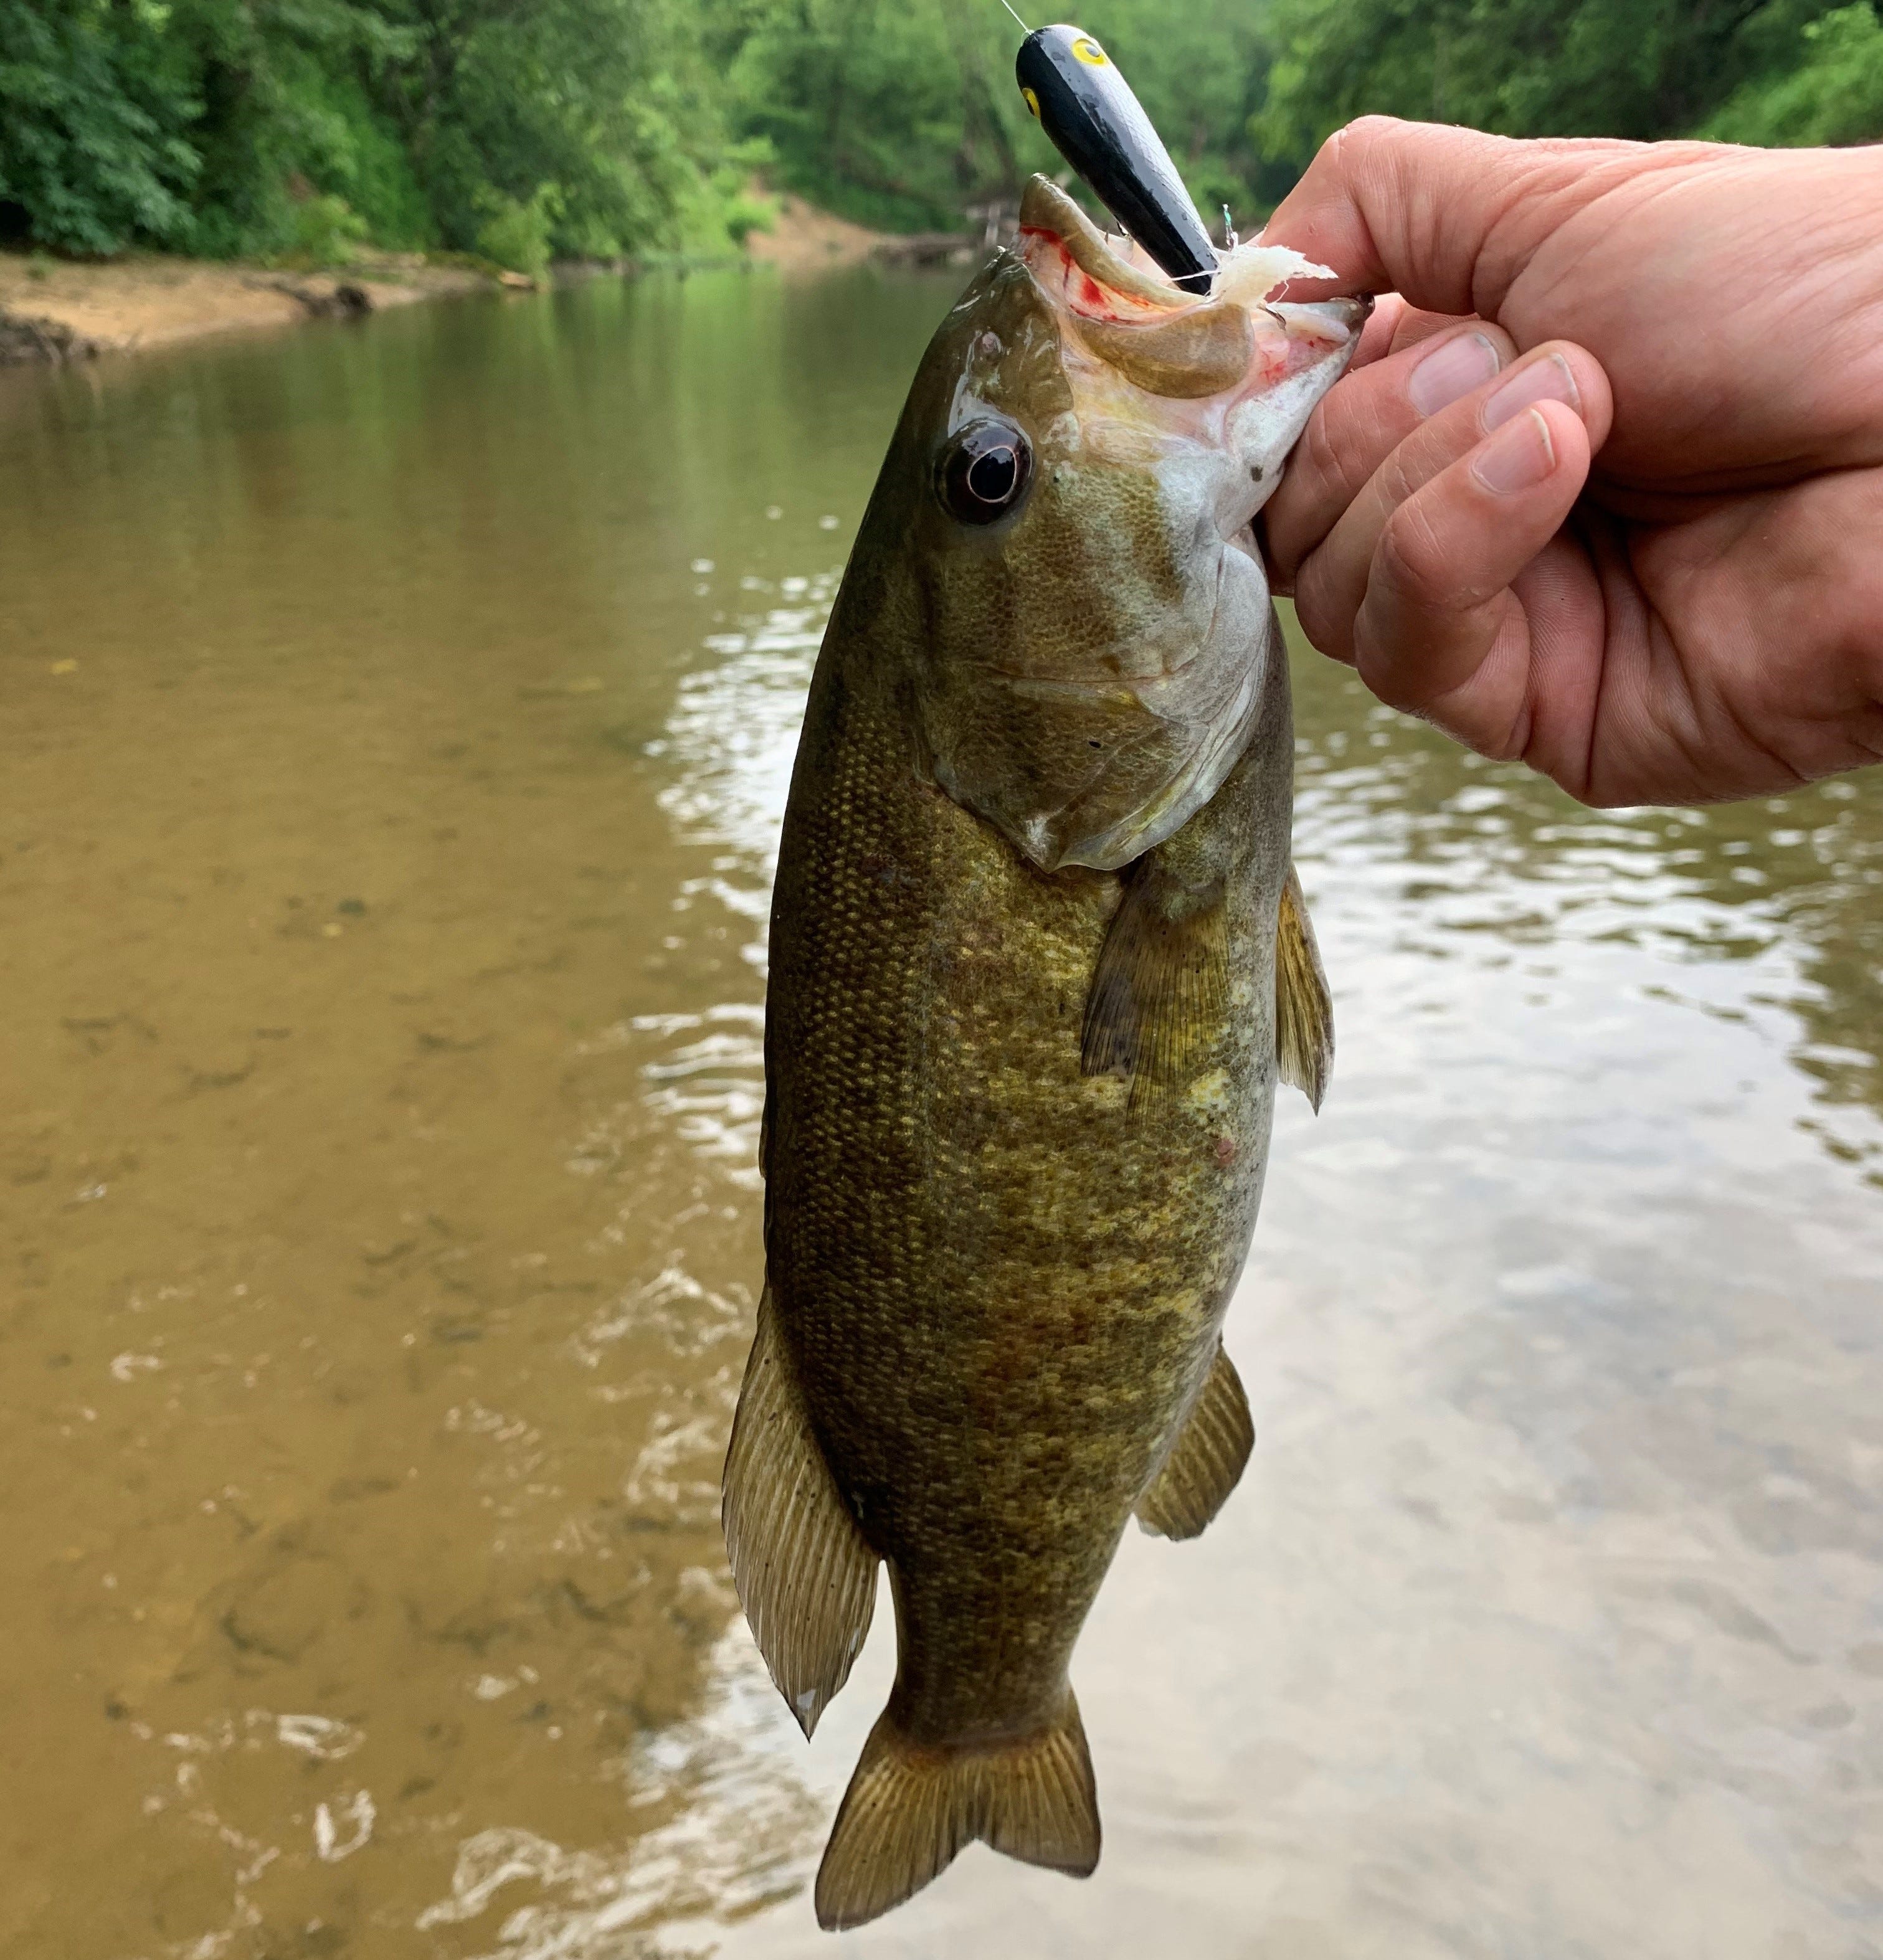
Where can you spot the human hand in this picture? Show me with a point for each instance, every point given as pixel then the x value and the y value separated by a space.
pixel 1603 490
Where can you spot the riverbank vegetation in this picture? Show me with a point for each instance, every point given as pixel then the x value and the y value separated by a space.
pixel 519 130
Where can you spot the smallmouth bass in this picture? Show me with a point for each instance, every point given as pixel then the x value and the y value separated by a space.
pixel 1038 960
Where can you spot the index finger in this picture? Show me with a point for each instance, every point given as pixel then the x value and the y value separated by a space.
pixel 1447 216
pixel 1363 421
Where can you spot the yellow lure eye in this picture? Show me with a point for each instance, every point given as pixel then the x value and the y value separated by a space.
pixel 1033 102
pixel 1089 52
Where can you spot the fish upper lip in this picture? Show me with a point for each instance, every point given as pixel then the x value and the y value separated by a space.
pixel 1045 211
pixel 1091 287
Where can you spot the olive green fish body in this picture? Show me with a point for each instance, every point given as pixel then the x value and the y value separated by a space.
pixel 1038 960
pixel 1003 1285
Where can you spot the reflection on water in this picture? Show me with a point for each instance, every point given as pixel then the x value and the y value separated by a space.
pixel 397 721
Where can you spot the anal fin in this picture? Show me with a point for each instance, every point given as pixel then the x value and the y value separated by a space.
pixel 1159 990
pixel 805 1575
pixel 910 1807
pixel 1304 1008
pixel 1206 1459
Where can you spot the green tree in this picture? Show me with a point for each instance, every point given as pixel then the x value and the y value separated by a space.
pixel 607 100
pixel 1832 94
pixel 1641 68
pixel 92 154
pixel 885 112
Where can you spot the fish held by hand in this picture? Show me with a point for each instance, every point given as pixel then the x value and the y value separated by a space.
pixel 1038 960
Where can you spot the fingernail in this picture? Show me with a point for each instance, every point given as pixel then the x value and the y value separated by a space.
pixel 1451 371
pixel 1548 380
pixel 1518 459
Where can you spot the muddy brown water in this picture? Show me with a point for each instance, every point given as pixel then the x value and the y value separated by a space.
pixel 395 721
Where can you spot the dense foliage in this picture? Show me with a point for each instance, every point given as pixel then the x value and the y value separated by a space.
pixel 521 129
pixel 1640 68
pixel 228 125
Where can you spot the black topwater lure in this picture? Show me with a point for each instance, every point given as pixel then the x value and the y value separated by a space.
pixel 1098 126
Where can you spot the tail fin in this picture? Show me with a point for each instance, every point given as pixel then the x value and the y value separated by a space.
pixel 910 1807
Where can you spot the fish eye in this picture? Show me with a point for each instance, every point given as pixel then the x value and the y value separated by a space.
pixel 984 471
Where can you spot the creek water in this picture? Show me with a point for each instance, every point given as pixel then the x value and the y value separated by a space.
pixel 396 720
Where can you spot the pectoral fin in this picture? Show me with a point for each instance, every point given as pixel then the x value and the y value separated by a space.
pixel 1158 992
pixel 1304 1011
pixel 805 1576
pixel 1206 1460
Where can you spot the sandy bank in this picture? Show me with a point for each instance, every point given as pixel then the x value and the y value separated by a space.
pixel 804 239
pixel 53 309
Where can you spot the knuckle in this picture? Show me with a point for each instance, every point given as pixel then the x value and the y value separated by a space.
pixel 1364 132
pixel 1281 556
pixel 1345 154
pixel 1398 479
pixel 1412 562
pixel 1389 678
pixel 1316 456
pixel 1320 619
pixel 1353 436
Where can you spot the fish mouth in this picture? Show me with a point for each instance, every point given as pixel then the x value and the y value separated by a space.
pixel 1094 281
pixel 1168 341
